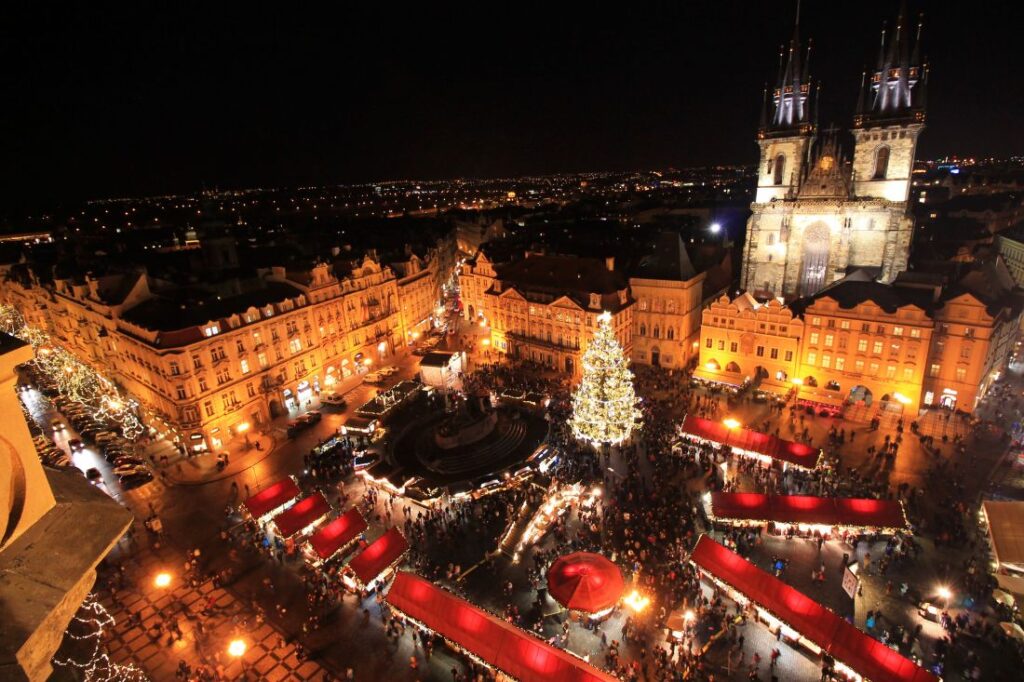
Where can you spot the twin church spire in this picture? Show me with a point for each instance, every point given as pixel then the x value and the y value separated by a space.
pixel 893 93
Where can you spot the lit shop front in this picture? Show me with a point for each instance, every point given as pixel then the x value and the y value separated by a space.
pixel 764 448
pixel 805 515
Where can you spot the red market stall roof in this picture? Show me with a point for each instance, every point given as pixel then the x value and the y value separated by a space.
pixel 584 581
pixel 301 514
pixel 337 534
pixel 865 655
pixel 826 511
pixel 753 441
pixel 378 556
pixel 514 652
pixel 271 498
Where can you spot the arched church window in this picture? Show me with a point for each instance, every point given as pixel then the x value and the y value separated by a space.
pixel 657 332
pixel 670 334
pixel 780 167
pixel 643 329
pixel 881 163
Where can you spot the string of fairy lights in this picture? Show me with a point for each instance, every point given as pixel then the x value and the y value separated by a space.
pixel 605 403
pixel 74 379
pixel 88 627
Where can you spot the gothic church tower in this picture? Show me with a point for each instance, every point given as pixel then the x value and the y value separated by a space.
pixel 816 216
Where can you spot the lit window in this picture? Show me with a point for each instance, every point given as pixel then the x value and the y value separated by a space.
pixel 245 366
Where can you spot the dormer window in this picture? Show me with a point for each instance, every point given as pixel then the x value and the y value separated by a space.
pixel 211 330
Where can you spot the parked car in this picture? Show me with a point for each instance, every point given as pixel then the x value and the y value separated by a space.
pixel 135 480
pixel 334 400
pixel 130 470
pixel 373 378
pixel 294 426
pixel 388 371
pixel 125 460
pixel 313 416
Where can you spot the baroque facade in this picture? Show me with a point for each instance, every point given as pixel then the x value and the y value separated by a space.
pixel 864 342
pixel 211 366
pixel 816 215
pixel 542 308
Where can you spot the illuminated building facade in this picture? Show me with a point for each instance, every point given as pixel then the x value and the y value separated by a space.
pixel 545 308
pixel 212 363
pixel 816 215
pixel 542 308
pixel 864 342
pixel 669 293
pixel 741 338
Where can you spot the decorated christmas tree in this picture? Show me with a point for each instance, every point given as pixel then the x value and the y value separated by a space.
pixel 604 408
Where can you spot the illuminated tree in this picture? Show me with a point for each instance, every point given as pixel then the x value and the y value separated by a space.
pixel 604 407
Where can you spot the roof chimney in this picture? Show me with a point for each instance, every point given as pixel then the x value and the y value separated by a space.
pixel 609 263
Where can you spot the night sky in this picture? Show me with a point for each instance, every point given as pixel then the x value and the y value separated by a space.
pixel 135 102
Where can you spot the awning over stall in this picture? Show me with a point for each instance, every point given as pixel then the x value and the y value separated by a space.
pixel 1006 530
pixel 754 442
pixel 338 534
pixel 272 498
pixel 845 643
pixel 808 510
pixel 378 556
pixel 301 514
pixel 514 652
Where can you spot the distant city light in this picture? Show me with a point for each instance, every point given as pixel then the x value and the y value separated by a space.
pixel 716 228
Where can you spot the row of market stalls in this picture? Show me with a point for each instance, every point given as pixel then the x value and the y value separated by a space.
pixel 279 510
pixel 582 582
pixel 750 443
pixel 806 513
pixel 788 612
pixel 801 620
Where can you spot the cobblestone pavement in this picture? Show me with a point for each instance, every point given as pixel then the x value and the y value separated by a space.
pixel 207 617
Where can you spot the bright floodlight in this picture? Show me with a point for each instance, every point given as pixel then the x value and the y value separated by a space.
pixel 236 648
pixel 716 228
pixel 945 593
pixel 731 423
pixel 162 579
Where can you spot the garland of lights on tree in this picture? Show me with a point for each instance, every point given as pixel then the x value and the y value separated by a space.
pixel 75 380
pixel 87 628
pixel 604 407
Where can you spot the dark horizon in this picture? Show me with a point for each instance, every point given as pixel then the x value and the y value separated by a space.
pixel 138 104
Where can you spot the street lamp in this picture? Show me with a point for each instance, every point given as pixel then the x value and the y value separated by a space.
pixel 945 594
pixel 243 428
pixel 716 228
pixel 236 648
pixel 637 601
pixel 162 579
pixel 731 424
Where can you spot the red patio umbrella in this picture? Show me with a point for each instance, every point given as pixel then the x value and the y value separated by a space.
pixel 586 582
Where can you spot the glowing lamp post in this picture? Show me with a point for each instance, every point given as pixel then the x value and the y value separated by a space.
pixel 162 579
pixel 637 601
pixel 243 428
pixel 731 424
pixel 945 594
